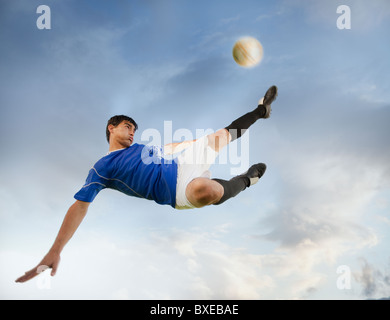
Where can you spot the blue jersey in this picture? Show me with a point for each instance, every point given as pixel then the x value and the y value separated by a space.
pixel 138 171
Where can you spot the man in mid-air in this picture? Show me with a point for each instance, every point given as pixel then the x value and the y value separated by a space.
pixel 142 171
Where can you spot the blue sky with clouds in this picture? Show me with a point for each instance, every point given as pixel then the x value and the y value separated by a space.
pixel 323 203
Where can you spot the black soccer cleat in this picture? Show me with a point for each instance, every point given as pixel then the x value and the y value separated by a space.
pixel 254 173
pixel 269 97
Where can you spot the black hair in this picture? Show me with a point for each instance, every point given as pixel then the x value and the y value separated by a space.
pixel 116 120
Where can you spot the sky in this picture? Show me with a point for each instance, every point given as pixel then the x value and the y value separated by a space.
pixel 316 226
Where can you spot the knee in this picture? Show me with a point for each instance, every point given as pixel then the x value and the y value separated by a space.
pixel 203 193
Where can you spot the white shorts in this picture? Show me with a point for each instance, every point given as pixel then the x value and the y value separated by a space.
pixel 193 162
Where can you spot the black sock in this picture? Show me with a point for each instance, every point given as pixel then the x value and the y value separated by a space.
pixel 232 187
pixel 244 122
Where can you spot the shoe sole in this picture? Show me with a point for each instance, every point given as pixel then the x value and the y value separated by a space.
pixel 254 180
pixel 269 97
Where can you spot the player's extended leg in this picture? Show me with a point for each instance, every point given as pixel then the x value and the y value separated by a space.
pixel 263 110
pixel 223 137
pixel 202 191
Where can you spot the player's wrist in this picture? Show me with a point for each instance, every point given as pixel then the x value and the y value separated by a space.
pixel 55 250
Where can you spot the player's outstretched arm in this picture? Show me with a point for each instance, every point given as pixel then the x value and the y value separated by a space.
pixel 72 220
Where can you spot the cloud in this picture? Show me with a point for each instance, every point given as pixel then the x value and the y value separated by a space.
pixel 323 191
pixel 166 264
pixel 217 271
pixel 177 264
pixel 375 282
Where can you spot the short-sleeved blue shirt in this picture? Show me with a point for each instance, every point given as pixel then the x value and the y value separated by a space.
pixel 138 171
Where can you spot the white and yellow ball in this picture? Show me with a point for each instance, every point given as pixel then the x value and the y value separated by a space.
pixel 248 52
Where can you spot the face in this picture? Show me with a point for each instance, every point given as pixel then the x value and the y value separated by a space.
pixel 122 135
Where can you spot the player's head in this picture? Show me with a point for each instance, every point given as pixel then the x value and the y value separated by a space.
pixel 126 127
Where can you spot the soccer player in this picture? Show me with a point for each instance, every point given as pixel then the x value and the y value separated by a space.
pixel 142 171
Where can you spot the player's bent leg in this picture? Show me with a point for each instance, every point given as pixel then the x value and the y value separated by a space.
pixel 239 183
pixel 203 192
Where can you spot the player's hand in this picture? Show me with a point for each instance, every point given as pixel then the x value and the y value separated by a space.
pixel 51 260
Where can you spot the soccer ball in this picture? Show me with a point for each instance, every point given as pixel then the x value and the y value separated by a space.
pixel 248 52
